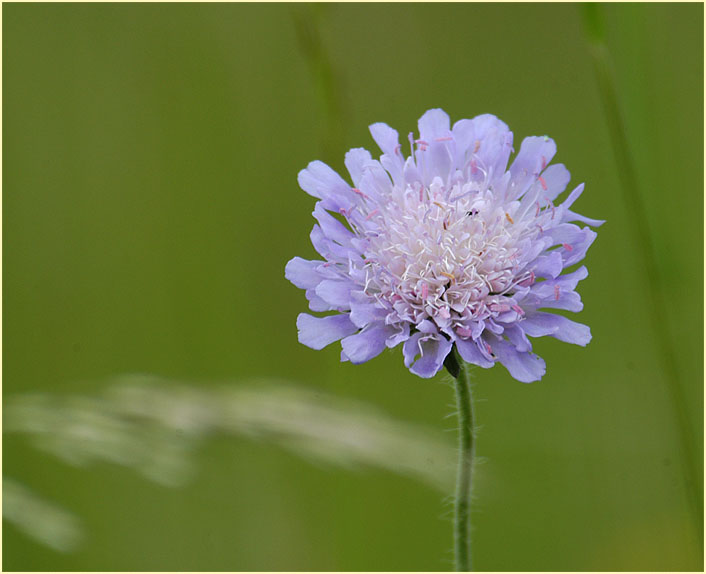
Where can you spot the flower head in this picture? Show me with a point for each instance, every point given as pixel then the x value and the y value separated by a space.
pixel 446 247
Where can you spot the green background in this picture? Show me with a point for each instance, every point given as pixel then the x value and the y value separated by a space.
pixel 150 203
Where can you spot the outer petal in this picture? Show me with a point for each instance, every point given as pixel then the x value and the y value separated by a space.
pixel 356 160
pixel 331 250
pixel 388 141
pixel 535 154
pixel 386 137
pixel 316 303
pixel 554 181
pixel 303 273
pixel 335 293
pixel 433 353
pixel 369 343
pixel 364 312
pixel 331 227
pixel 470 353
pixel 434 124
pixel 540 324
pixel 487 139
pixel 517 337
pixel 318 332
pixel 322 182
pixel 525 367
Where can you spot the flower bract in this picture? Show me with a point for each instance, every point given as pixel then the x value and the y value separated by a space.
pixel 447 246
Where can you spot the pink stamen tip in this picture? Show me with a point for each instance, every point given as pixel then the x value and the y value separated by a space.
pixel 553 211
pixel 357 191
pixel 538 209
pixel 474 167
pixel 544 162
pixel 421 142
pixel 557 292
pixel 519 310
pixel 372 213
pixel 544 183
pixel 567 247
pixel 398 149
pixel 488 347
pixel 425 291
pixel 464 332
pixel 444 139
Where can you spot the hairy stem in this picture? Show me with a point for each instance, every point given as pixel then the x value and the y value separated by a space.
pixel 462 513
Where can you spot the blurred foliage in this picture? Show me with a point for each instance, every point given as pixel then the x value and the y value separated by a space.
pixel 150 204
pixel 153 427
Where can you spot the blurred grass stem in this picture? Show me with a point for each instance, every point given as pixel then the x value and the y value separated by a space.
pixel 310 22
pixel 462 510
pixel 595 32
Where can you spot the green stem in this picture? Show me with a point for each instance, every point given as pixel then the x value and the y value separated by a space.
pixel 462 514
pixel 594 29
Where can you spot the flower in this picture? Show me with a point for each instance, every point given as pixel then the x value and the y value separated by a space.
pixel 446 247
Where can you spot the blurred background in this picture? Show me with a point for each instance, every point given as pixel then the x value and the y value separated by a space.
pixel 159 413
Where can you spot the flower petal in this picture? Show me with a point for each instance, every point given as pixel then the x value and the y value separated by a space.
pixel 434 124
pixel 321 181
pixel 486 138
pixel 535 153
pixel 386 137
pixel 302 273
pixel 331 227
pixel 470 352
pixel 355 162
pixel 540 324
pixel 525 367
pixel 433 352
pixel 336 293
pixel 369 343
pixel 364 312
pixel 318 332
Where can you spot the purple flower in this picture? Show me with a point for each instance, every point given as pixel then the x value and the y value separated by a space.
pixel 447 246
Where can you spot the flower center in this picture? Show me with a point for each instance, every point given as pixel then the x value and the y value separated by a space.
pixel 448 253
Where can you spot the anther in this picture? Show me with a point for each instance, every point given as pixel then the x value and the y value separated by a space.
pixel 509 218
pixel 567 247
pixel 444 139
pixel 557 292
pixel 372 213
pixel 448 275
pixel 544 183
pixel 477 146
pixel 544 162
pixel 357 191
